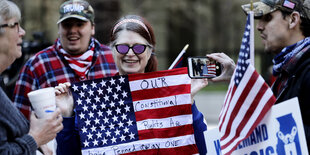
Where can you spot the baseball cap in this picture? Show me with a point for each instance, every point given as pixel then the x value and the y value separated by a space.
pixel 264 7
pixel 79 9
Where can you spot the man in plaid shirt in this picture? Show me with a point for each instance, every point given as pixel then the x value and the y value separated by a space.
pixel 75 56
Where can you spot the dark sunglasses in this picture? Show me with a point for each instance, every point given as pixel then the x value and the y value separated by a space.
pixel 137 48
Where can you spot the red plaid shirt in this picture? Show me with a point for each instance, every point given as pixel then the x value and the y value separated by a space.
pixel 48 68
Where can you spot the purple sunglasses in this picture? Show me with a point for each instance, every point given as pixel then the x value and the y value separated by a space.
pixel 137 48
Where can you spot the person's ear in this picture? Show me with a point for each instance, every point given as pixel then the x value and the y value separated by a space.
pixel 294 19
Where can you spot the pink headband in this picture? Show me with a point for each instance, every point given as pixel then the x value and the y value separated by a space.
pixel 130 21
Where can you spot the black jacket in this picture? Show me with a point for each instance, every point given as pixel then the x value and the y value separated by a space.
pixel 297 73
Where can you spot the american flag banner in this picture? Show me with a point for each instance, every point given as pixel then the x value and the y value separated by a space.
pixel 247 101
pixel 136 114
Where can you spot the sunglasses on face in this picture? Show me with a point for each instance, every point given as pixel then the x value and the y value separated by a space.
pixel 137 48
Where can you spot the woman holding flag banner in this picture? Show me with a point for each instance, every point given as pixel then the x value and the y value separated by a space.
pixel 133 43
pixel 135 31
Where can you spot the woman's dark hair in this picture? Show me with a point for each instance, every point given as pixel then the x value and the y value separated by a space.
pixel 144 29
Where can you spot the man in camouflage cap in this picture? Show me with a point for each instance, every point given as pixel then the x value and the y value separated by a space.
pixel 284 27
pixel 75 56
pixel 264 7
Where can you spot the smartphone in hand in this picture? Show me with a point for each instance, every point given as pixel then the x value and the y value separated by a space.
pixel 203 67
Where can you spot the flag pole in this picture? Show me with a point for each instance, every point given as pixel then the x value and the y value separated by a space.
pixel 252 5
pixel 252 53
pixel 179 56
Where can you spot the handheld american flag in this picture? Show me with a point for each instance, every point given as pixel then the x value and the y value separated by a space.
pixel 248 98
pixel 138 113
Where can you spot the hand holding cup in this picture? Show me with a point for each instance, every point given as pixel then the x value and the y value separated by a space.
pixel 43 101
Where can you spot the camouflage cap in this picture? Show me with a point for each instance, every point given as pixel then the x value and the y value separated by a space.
pixel 267 6
pixel 79 9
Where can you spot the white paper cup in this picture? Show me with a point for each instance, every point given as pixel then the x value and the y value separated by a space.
pixel 43 101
